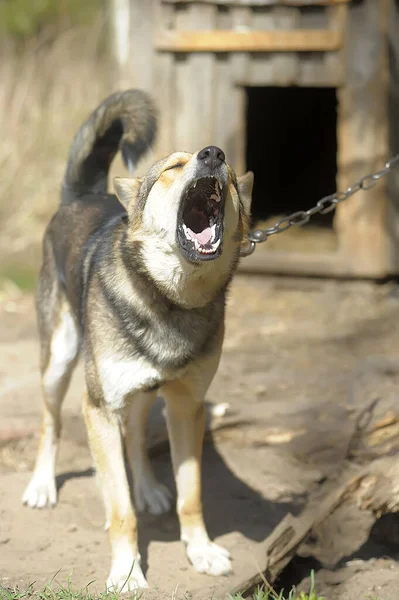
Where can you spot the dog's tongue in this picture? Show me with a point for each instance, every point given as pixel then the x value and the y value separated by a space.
pixel 203 236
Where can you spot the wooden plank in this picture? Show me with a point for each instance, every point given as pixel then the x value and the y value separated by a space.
pixel 333 264
pixel 229 129
pixel 289 263
pixel 228 113
pixel 164 86
pixel 321 69
pixel 239 65
pixel 393 124
pixel 280 67
pixel 364 234
pixel 194 89
pixel 335 61
pixel 120 32
pixel 244 41
pixel 141 47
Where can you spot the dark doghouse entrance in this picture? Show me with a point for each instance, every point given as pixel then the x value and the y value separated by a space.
pixel 291 148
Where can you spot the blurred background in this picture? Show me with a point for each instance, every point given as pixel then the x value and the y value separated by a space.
pixel 54 69
pixel 306 94
pixel 296 90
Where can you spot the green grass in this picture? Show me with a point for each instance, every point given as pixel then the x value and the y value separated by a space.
pixel 61 593
pixel 58 592
pixel 266 592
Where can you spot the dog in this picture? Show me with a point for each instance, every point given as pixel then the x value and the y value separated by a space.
pixel 137 283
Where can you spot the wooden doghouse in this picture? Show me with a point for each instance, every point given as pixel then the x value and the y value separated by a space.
pixel 206 60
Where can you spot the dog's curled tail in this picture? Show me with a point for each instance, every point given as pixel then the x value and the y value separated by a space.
pixel 125 121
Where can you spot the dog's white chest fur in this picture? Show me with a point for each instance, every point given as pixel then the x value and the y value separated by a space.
pixel 121 377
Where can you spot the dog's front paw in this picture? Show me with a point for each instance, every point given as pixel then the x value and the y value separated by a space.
pixel 122 579
pixel 207 557
pixel 41 492
pixel 151 495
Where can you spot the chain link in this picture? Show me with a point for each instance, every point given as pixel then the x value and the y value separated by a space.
pixel 322 207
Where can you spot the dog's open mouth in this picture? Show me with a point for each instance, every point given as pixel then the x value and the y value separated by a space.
pixel 200 220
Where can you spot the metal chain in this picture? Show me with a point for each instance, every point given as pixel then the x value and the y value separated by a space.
pixel 323 206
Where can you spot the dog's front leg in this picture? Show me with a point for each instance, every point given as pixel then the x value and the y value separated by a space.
pixel 105 439
pixel 186 423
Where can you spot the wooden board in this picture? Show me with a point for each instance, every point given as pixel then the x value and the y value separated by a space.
pixel 195 93
pixel 294 263
pixel 393 124
pixel 248 41
pixel 228 112
pixel 141 49
pixel 280 68
pixel 164 86
pixel 361 223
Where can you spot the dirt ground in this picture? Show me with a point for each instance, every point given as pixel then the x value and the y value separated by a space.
pixel 310 370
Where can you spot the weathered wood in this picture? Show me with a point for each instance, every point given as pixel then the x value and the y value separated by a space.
pixel 361 223
pixel 120 28
pixel 228 113
pixel 290 263
pixel 239 65
pixel 280 546
pixel 244 41
pixel 229 129
pixel 164 86
pixel 141 45
pixel 380 486
pixel 277 67
pixel 335 61
pixel 322 69
pixel 195 91
pixel 393 124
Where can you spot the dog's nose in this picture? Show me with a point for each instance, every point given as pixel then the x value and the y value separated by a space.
pixel 212 156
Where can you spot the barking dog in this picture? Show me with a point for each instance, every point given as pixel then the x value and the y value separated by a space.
pixel 137 282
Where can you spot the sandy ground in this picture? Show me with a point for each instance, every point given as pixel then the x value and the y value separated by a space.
pixel 302 360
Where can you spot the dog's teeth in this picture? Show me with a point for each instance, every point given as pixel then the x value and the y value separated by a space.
pixel 195 183
pixel 213 230
pixel 216 245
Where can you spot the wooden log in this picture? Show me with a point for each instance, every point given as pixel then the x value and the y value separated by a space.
pixel 361 223
pixel 244 41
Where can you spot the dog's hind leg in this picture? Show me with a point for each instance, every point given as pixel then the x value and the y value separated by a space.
pixel 59 350
pixel 148 492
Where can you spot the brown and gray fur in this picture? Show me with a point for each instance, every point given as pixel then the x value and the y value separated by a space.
pixel 115 287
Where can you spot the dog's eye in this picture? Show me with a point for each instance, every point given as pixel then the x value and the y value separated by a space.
pixel 178 165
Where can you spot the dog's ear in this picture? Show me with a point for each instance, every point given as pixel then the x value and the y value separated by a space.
pixel 245 185
pixel 127 190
